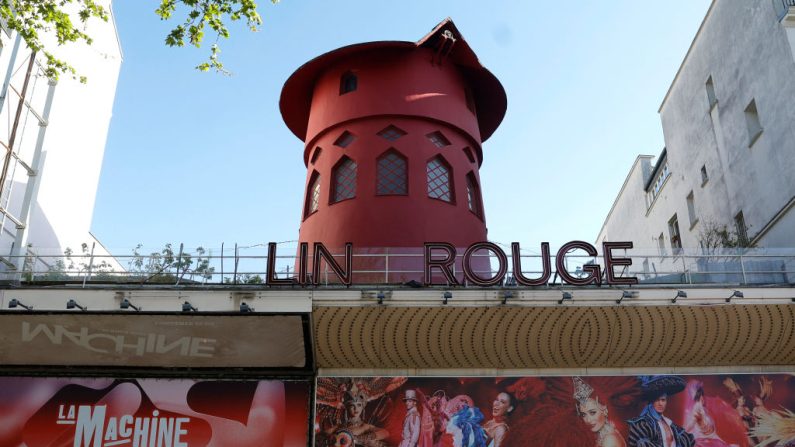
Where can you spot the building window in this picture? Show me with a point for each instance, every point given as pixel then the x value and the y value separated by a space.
pixel 312 195
pixel 344 175
pixel 704 176
pixel 673 233
pixel 345 139
pixel 348 83
pixel 438 139
pixel 439 180
pixel 473 194
pixel 392 175
pixel 711 98
pixel 661 245
pixel 662 176
pixel 469 154
pixel 691 209
pixel 752 123
pixel 316 154
pixel 392 133
pixel 742 229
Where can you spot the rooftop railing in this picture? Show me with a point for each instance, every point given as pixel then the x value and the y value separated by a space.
pixel 389 266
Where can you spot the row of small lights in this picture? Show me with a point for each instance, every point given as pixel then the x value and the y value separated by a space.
pixel 125 304
pixel 381 296
pixel 567 296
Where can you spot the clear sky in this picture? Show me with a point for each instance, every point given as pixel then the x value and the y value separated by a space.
pixel 203 159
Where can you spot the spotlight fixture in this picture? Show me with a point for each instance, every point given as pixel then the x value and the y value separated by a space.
pixel 625 294
pixel 71 304
pixel 506 296
pixel 734 294
pixel 15 302
pixel 126 304
pixel 188 307
pixel 565 296
pixel 244 308
pixel 447 296
pixel 679 294
pixel 381 297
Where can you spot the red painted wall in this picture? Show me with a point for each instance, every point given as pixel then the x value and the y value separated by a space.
pixel 403 85
pixel 400 88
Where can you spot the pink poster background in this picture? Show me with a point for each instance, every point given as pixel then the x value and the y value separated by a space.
pixel 723 410
pixel 34 412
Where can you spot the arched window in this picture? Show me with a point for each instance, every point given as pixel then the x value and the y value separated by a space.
pixel 348 83
pixel 344 175
pixel 391 174
pixel 440 180
pixel 473 194
pixel 312 195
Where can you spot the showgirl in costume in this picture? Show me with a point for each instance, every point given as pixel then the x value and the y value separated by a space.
pixel 546 413
pixel 776 427
pixel 465 428
pixel 497 427
pixel 436 415
pixel 750 417
pixel 341 414
pixel 652 428
pixel 699 418
pixel 594 415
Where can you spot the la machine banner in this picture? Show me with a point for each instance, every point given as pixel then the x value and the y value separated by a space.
pixel 637 411
pixel 73 412
pixel 151 340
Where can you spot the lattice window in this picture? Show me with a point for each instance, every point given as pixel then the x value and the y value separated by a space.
pixel 392 174
pixel 345 180
pixel 439 180
pixel 392 133
pixel 313 195
pixel 438 139
pixel 345 139
pixel 473 194
pixel 348 83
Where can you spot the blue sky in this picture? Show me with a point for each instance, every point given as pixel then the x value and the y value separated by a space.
pixel 203 159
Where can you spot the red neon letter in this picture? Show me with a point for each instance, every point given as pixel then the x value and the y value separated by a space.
pixel 472 276
pixel 303 256
pixel 443 264
pixel 322 252
pixel 517 266
pixel 594 271
pixel 611 262
pixel 270 278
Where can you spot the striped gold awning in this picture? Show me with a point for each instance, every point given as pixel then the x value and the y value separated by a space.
pixel 507 337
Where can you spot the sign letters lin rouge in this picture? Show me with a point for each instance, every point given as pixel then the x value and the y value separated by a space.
pixel 441 257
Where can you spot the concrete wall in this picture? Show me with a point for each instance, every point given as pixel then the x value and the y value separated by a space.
pixel 744 49
pixel 73 142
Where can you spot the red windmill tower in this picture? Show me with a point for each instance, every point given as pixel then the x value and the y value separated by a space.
pixel 393 133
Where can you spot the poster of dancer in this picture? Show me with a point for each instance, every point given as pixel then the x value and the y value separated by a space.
pixel 75 412
pixel 729 410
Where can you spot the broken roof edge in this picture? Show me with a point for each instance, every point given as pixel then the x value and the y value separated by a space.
pixel 489 94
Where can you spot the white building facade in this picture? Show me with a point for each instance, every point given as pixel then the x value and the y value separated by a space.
pixel 53 138
pixel 729 127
